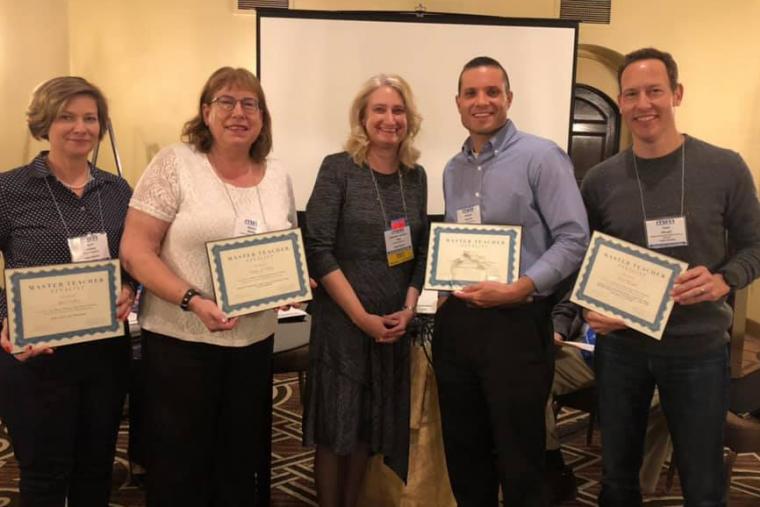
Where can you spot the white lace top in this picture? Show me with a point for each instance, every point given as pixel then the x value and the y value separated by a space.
pixel 180 186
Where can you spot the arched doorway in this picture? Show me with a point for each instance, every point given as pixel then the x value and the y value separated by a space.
pixel 595 133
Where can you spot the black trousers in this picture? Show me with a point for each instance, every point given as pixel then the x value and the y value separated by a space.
pixel 207 421
pixel 494 370
pixel 63 414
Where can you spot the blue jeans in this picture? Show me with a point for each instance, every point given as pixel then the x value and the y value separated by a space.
pixel 694 398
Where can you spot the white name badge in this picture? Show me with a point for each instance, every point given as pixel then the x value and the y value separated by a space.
pixel 90 247
pixel 469 215
pixel 666 232
pixel 398 245
pixel 245 227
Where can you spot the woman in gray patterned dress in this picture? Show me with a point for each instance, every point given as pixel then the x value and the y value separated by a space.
pixel 371 195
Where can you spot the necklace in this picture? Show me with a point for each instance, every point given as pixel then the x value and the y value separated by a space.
pixel 227 192
pixel 251 170
pixel 76 187
pixel 71 187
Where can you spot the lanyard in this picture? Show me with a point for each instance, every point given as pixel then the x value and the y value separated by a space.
pixel 65 227
pixel 232 203
pixel 683 172
pixel 380 198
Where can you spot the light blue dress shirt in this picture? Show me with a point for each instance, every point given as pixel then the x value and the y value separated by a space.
pixel 522 179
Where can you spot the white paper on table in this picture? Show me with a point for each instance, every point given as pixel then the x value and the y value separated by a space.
pixel 579 345
pixel 292 313
pixel 427 302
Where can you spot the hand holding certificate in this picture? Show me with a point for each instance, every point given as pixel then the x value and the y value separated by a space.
pixel 625 281
pixel 464 254
pixel 63 304
pixel 259 272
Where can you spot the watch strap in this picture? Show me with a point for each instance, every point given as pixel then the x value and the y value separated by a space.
pixel 190 294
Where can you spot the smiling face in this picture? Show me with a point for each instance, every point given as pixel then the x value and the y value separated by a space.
pixel 483 102
pixel 385 118
pixel 75 130
pixel 236 129
pixel 647 102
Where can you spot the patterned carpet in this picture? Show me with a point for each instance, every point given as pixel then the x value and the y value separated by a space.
pixel 292 483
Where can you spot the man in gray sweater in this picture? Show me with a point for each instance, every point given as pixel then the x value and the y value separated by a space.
pixel 696 202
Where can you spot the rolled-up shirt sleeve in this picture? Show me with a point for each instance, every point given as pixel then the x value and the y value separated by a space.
pixel 561 208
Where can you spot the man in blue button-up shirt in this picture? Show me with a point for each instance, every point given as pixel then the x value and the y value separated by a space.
pixel 492 347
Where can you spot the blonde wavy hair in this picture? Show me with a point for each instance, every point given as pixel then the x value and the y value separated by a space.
pixel 357 144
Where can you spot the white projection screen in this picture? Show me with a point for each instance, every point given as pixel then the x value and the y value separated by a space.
pixel 312 63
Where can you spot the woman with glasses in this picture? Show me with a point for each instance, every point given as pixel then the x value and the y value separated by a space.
pixel 63 405
pixel 208 376
pixel 366 241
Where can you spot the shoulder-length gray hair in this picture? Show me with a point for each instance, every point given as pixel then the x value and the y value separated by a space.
pixel 357 144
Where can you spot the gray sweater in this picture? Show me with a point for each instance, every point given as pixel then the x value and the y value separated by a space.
pixel 720 202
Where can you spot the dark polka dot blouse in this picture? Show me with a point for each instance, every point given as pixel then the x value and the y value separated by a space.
pixel 34 233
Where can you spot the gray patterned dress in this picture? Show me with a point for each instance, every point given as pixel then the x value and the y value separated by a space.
pixel 358 390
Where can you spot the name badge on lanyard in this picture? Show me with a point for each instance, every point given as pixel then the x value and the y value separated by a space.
pixel 90 247
pixel 398 243
pixel 666 232
pixel 245 226
pixel 469 215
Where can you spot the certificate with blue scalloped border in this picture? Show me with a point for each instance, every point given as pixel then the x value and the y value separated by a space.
pixel 463 254
pixel 63 304
pixel 623 280
pixel 258 272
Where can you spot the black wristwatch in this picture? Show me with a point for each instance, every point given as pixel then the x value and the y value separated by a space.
pixel 190 294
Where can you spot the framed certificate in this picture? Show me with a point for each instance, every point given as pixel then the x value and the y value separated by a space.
pixel 629 282
pixel 464 254
pixel 259 272
pixel 63 303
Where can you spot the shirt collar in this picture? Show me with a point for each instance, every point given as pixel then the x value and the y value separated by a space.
pixel 41 169
pixel 39 166
pixel 497 142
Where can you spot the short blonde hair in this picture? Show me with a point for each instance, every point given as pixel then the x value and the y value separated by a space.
pixel 49 99
pixel 357 144
pixel 197 133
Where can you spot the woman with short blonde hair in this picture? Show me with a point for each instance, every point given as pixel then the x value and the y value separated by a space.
pixel 63 405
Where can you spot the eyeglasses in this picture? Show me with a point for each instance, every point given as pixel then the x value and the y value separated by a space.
pixel 228 103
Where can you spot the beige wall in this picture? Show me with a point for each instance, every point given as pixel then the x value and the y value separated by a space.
pixel 597 69
pixel 515 8
pixel 717 51
pixel 152 56
pixel 34 46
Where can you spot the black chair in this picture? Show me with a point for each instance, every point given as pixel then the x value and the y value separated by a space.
pixel 583 400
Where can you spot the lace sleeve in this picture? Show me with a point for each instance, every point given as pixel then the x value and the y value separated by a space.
pixel 157 191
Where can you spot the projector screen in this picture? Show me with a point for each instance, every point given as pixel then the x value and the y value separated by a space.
pixel 312 63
